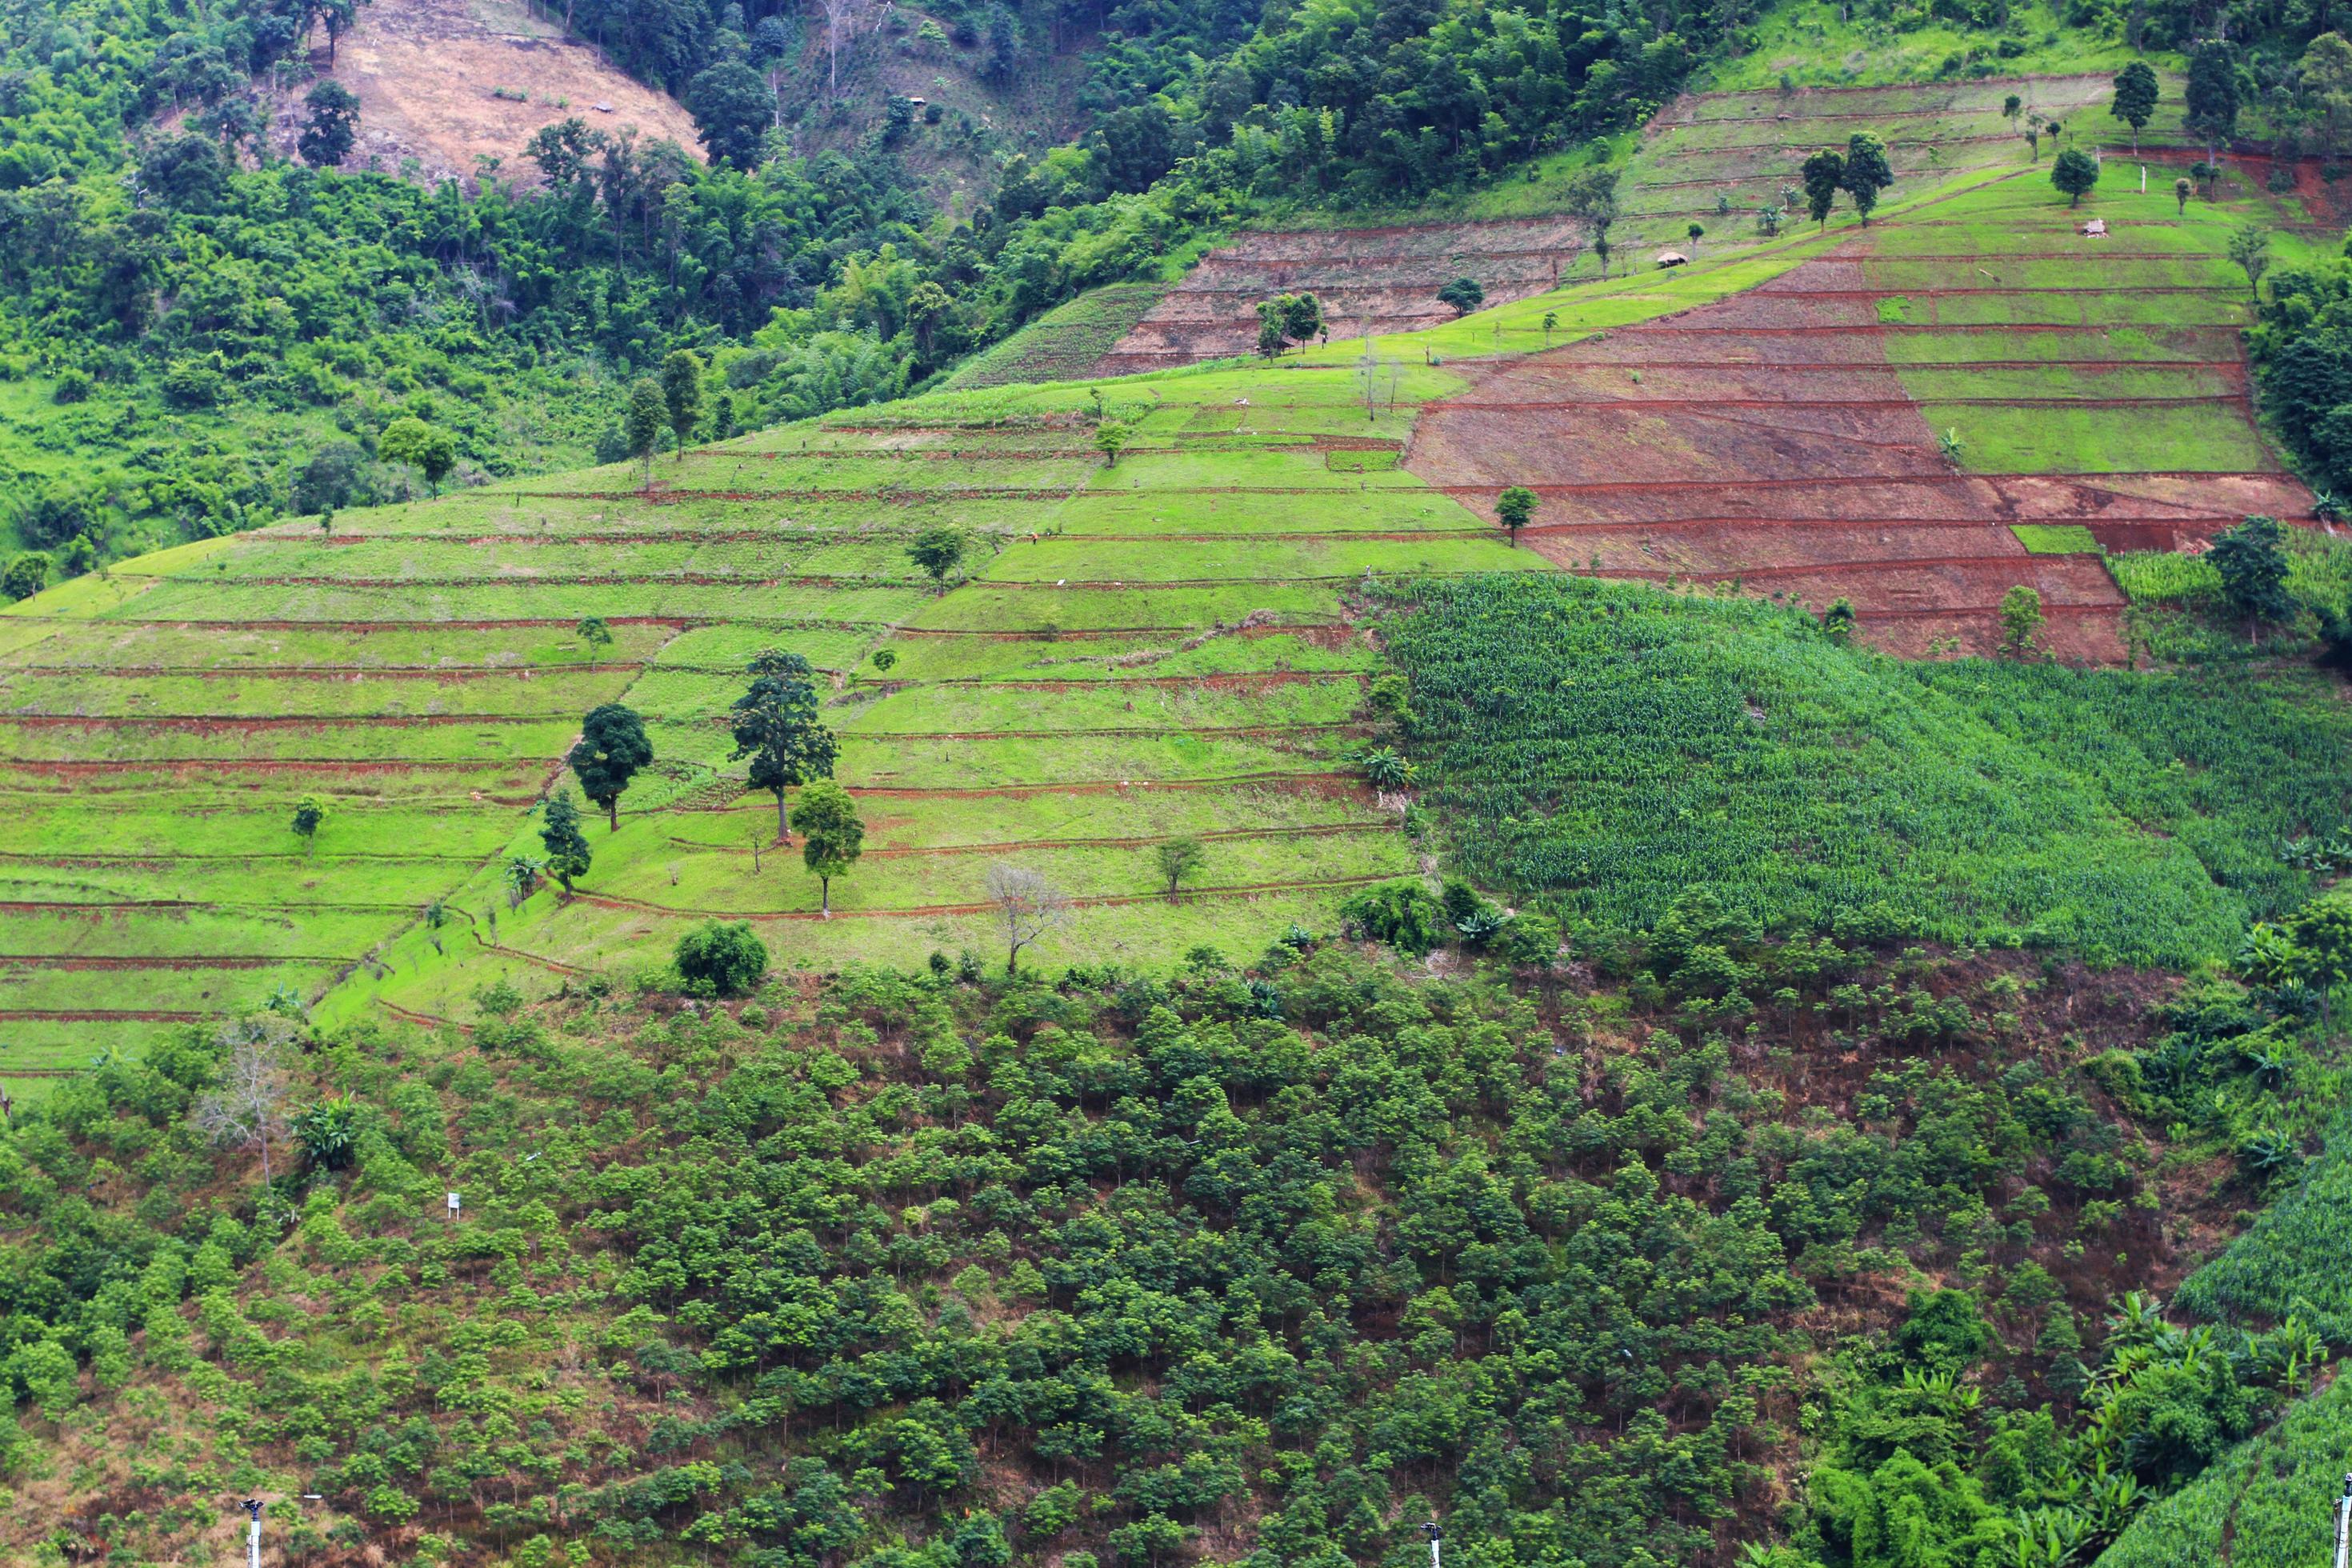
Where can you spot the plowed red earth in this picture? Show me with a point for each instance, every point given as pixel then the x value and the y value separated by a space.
pixel 1720 465
pixel 1369 279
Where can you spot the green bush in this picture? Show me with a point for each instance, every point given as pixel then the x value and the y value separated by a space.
pixel 721 958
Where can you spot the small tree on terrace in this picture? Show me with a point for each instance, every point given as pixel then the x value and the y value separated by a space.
pixel 1029 905
pixel 429 451
pixel 1867 171
pixel 1463 295
pixel 2252 559
pixel 568 855
pixel 25 575
pixel 1838 621
pixel 2134 100
pixel 246 1108
pixel 1111 438
pixel 1514 506
pixel 2074 172
pixel 2021 620
pixel 309 816
pixel 1824 174
pixel 610 751
pixel 937 551
pixel 641 425
pixel 2010 108
pixel 832 836
pixel 2322 934
pixel 681 387
pixel 2250 248
pixel 1592 196
pixel 1696 233
pixel 2182 190
pixel 775 725
pixel 596 634
pixel 1179 859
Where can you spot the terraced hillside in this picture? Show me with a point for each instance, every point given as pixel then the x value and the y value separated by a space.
pixel 1161 645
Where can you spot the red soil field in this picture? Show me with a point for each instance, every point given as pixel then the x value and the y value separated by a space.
pixel 1768 442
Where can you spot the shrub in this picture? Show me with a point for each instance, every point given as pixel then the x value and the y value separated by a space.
pixel 1402 914
pixel 727 957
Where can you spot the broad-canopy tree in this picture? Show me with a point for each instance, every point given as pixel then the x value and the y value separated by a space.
pixel 2211 97
pixel 2074 172
pixel 1514 506
pixel 612 749
pixel 430 451
pixel 1866 172
pixel 1825 176
pixel 2134 100
pixel 333 125
pixel 733 109
pixel 2252 564
pixel 832 836
pixel 938 552
pixel 775 726
pixel 681 385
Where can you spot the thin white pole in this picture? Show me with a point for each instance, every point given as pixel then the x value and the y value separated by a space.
pixel 253 1536
pixel 2343 1525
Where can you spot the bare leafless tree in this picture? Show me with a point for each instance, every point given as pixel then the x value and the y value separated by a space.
pixel 248 1108
pixel 841 19
pixel 1030 905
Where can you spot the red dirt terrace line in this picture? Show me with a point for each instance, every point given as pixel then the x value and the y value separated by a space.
pixel 232 721
pixel 1238 890
pixel 1844 403
pixel 1849 480
pixel 90 1015
pixel 71 963
pixel 1672 525
pixel 1140 732
pixel 1817 568
pixel 355 673
pixel 1668 327
pixel 1329 784
pixel 1849 366
pixel 1892 290
pixel 1318 830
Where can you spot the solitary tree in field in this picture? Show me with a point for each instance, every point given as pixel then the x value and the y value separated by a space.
pixel 2134 100
pixel 1867 171
pixel 568 855
pixel 937 551
pixel 26 576
pixel 430 452
pixel 1111 438
pixel 681 386
pixel 832 836
pixel 2250 248
pixel 2252 559
pixel 610 752
pixel 1838 621
pixel 641 426
pixel 1514 506
pixel 2010 108
pixel 2074 172
pixel 1550 321
pixel 1028 904
pixel 1696 233
pixel 775 726
pixel 1592 196
pixel 2021 620
pixel 1823 174
pixel 2181 188
pixel 309 816
pixel 1179 859
pixel 1463 295
pixel 595 633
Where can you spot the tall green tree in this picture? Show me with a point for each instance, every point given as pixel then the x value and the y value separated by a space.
pixel 1867 171
pixel 2210 100
pixel 1825 176
pixel 2250 248
pixel 611 751
pixel 309 816
pixel 733 108
pixel 2251 561
pixel 681 385
pixel 938 552
pixel 2074 172
pixel 775 726
pixel 641 426
pixel 2322 934
pixel 568 855
pixel 596 634
pixel 333 126
pixel 1179 859
pixel 26 576
pixel 430 451
pixel 2135 98
pixel 832 836
pixel 1514 506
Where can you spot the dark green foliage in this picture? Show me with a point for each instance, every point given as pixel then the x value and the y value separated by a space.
pixel 1825 176
pixel 641 425
pixel 1463 295
pixel 2252 564
pixel 732 109
pixel 681 386
pixel 832 835
pixel 331 125
pixel 2135 97
pixel 937 551
pixel 326 1131
pixel 1514 506
pixel 1609 747
pixel 2074 172
pixel 723 958
pixel 568 855
pixel 775 726
pixel 24 576
pixel 610 751
pixel 431 452
pixel 2210 99
pixel 1402 914
pixel 1865 172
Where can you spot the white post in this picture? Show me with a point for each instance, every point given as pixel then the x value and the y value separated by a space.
pixel 2343 1525
pixel 1432 1530
pixel 253 1533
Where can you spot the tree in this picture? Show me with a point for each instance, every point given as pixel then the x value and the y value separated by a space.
pixel 681 385
pixel 2074 172
pixel 26 576
pixel 612 749
pixel 2135 98
pixel 1867 171
pixel 430 452
pixel 1463 295
pixel 2180 190
pixel 1179 859
pixel 2322 934
pixel 1029 905
pixel 2010 108
pixel 2250 248
pixel 1592 196
pixel 568 855
pixel 1111 438
pixel 245 1107
pixel 775 726
pixel 1695 233
pixel 732 106
pixel 2021 620
pixel 2252 559
pixel 309 816
pixel 2325 71
pixel 334 124
pixel 327 1132
pixel 596 634
pixel 727 956
pixel 2211 97
pixel 330 478
pixel 1514 506
pixel 1287 319
pixel 840 21
pixel 832 837
pixel 641 426
pixel 937 551
pixel 1825 176
pixel 1838 621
